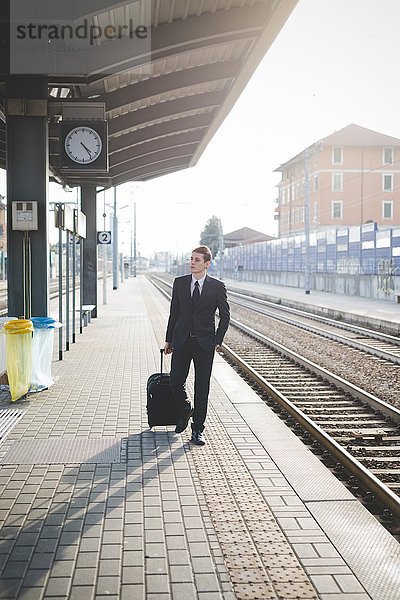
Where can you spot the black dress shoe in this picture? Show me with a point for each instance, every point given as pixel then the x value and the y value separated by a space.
pixel 198 438
pixel 183 422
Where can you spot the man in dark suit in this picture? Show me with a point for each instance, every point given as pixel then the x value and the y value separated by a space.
pixel 191 336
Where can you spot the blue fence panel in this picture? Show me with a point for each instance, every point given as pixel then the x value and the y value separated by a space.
pixel 368 261
pixel 291 255
pixel 354 250
pixel 278 257
pixel 331 258
pixel 321 254
pixel 284 259
pixel 368 232
pixel 331 251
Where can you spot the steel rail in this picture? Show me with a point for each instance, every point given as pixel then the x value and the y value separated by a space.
pixel 357 344
pixel 385 495
pixel 385 337
pixel 346 386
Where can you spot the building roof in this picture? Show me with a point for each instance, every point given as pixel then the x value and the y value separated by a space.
pixel 245 235
pixel 355 135
pixel 163 106
pixel 351 135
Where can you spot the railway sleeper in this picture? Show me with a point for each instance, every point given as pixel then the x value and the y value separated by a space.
pixel 344 411
pixel 373 451
pixel 337 421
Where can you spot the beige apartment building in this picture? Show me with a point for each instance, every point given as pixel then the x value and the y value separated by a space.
pixel 350 178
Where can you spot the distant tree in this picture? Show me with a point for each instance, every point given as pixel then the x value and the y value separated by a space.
pixel 210 236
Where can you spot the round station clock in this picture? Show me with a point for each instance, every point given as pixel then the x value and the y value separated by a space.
pixel 83 145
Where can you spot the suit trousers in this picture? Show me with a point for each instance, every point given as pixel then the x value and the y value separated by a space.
pixel 203 361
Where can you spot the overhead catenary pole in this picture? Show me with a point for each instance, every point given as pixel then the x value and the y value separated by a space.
pixel 74 239
pixel 104 255
pixel 221 252
pixel 67 292
pixel 307 281
pixel 360 260
pixel 134 239
pixel 115 243
pixel 131 261
pixel 60 286
pixel 121 267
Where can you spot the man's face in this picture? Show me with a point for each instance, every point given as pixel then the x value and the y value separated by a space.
pixel 198 266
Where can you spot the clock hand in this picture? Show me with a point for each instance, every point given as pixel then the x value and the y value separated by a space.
pixel 87 149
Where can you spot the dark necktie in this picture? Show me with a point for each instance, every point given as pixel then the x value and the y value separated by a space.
pixel 196 294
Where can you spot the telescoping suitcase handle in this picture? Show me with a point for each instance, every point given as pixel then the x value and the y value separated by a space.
pixel 162 356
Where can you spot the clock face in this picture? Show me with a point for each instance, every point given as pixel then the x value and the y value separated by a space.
pixel 83 145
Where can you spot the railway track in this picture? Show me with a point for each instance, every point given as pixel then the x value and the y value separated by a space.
pixel 384 346
pixel 375 343
pixel 3 297
pixel 360 432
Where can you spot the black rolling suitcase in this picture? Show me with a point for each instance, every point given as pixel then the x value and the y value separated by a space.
pixel 161 405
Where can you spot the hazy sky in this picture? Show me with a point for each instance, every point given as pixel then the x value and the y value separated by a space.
pixel 335 62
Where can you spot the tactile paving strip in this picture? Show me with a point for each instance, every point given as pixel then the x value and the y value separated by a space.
pixel 64 451
pixel 259 559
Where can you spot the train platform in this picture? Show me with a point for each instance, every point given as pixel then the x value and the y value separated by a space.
pixel 382 314
pixel 94 505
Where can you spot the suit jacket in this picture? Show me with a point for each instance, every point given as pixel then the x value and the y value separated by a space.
pixel 182 315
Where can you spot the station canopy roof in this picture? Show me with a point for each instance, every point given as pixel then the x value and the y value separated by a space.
pixel 245 235
pixel 164 106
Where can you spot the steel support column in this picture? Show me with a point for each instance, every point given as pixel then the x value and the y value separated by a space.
pixel 88 207
pixel 27 180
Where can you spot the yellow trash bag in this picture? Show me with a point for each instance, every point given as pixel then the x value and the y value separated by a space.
pixel 19 356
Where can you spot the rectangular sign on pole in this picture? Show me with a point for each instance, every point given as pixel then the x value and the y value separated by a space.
pixel 104 237
pixel 64 217
pixel 80 223
pixel 68 218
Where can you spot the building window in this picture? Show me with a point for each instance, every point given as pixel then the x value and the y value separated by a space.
pixel 387 210
pixel 337 209
pixel 315 185
pixel 337 155
pixel 387 182
pixel 316 212
pixel 337 182
pixel 388 156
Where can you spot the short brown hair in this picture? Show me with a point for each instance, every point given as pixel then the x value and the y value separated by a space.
pixel 205 251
